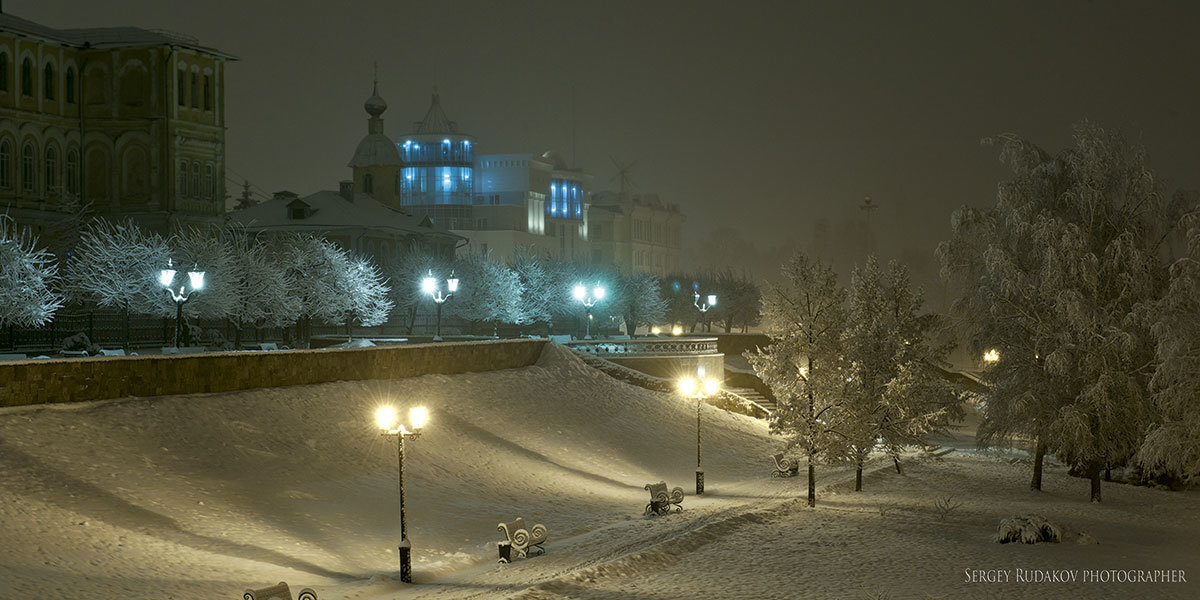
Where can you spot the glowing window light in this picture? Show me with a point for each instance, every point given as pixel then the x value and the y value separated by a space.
pixel 446 141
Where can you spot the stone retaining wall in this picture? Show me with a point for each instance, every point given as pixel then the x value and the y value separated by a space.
pixel 82 379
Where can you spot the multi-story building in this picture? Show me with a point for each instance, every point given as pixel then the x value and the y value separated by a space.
pixel 636 232
pixel 126 120
pixel 439 166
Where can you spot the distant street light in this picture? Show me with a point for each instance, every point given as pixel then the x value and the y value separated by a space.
pixel 430 286
pixel 700 388
pixel 589 300
pixel 991 356
pixel 712 301
pixel 387 420
pixel 194 282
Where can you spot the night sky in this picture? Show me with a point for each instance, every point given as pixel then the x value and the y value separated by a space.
pixel 758 115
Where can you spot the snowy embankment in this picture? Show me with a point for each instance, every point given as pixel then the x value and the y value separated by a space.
pixel 202 496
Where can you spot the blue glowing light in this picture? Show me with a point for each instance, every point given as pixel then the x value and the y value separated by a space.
pixel 446 141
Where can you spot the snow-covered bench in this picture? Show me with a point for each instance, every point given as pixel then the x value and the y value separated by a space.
pixel 662 501
pixel 519 541
pixel 784 466
pixel 278 591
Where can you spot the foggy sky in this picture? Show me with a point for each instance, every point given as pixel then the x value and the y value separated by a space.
pixel 753 114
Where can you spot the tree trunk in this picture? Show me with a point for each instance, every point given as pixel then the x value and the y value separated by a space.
pixel 1094 474
pixel 1039 455
pixel 237 334
pixel 125 327
pixel 896 461
pixel 812 483
pixel 1108 472
pixel 858 476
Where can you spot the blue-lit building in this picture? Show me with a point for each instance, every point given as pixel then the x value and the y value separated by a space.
pixel 438 176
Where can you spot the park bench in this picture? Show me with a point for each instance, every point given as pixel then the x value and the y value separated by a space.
pixel 520 541
pixel 661 501
pixel 784 466
pixel 278 591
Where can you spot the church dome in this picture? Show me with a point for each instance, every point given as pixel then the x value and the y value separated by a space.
pixel 375 105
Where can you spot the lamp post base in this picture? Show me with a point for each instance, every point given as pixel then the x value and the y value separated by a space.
pixel 699 482
pixel 405 562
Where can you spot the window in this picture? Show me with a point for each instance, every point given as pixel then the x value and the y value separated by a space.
pixel 368 183
pixel 3 71
pixel 195 93
pixel 71 85
pixel 72 174
pixel 196 179
pixel 51 169
pixel 28 168
pixel 183 178
pixel 48 82
pixel 209 192
pixel 181 87
pixel 5 165
pixel 208 97
pixel 296 212
pixel 26 78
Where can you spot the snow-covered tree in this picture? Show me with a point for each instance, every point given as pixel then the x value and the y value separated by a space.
pixel 488 292
pixel 260 289
pixel 1173 444
pixel 638 300
pixel 368 291
pixel 405 274
pixel 537 291
pixel 894 389
pixel 28 277
pixel 1055 277
pixel 117 265
pixel 804 315
pixel 318 270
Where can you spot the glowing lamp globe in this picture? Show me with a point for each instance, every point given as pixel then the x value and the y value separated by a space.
pixel 687 386
pixel 991 356
pixel 429 284
pixel 711 386
pixel 677 330
pixel 166 276
pixel 712 299
pixel 418 416
pixel 598 293
pixel 385 417
pixel 580 293
pixel 452 284
pixel 197 279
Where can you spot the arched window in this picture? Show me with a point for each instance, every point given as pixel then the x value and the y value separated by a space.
pixel 51 165
pixel 208 181
pixel 181 87
pixel 196 179
pixel 5 165
pixel 72 174
pixel 26 77
pixel 48 82
pixel 28 168
pixel 71 85
pixel 3 71
pixel 183 179
pixel 368 184
pixel 195 92
pixel 208 95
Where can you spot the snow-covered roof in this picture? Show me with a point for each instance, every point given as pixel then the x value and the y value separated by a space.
pixel 103 37
pixel 375 149
pixel 435 120
pixel 329 211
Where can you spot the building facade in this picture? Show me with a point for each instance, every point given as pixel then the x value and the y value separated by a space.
pixel 637 233
pixel 127 121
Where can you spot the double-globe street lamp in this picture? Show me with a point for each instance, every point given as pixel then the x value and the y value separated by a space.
pixel 389 425
pixel 194 282
pixel 589 300
pixel 700 388
pixel 430 286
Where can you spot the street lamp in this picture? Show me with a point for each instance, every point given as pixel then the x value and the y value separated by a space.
pixel 589 300
pixel 991 356
pixel 388 425
pixel 430 286
pixel 700 388
pixel 194 282
pixel 711 302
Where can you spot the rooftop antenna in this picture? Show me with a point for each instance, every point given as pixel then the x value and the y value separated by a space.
pixel 623 176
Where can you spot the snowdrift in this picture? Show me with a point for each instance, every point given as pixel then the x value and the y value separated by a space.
pixel 202 496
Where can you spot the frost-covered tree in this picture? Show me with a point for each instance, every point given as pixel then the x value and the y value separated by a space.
pixel 1173 444
pixel 260 290
pixel 639 302
pixel 318 269
pixel 738 299
pixel 894 389
pixel 1055 277
pixel 368 291
pixel 28 277
pixel 117 265
pixel 405 274
pixel 488 292
pixel 804 315
pixel 200 249
pixel 537 290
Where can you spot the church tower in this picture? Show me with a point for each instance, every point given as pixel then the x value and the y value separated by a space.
pixel 376 162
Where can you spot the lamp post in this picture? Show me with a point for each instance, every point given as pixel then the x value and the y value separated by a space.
pixel 700 388
pixel 386 418
pixel 430 286
pixel 991 356
pixel 589 300
pixel 194 282
pixel 703 307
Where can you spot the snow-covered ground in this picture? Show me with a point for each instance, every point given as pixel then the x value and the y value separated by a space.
pixel 204 496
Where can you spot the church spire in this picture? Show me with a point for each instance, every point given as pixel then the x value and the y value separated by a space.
pixel 375 105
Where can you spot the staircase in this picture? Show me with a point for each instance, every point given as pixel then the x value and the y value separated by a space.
pixel 755 398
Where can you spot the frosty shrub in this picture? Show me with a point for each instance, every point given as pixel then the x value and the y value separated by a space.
pixel 1029 529
pixel 946 505
pixel 27 277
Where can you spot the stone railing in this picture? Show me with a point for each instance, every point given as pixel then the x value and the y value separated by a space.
pixel 647 346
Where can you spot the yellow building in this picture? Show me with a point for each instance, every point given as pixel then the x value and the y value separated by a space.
pixel 636 232
pixel 127 120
